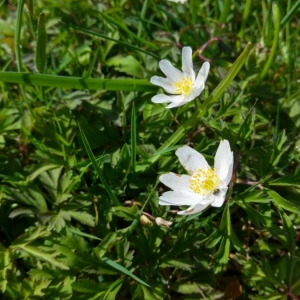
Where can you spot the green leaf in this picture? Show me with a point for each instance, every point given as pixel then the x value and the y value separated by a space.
pixel 58 221
pixel 83 217
pixel 30 235
pixel 288 228
pixel 9 119
pixel 187 288
pixel 36 252
pixel 147 294
pixel 109 240
pixel 236 242
pixel 88 287
pixel 123 270
pixel 6 264
pixel 214 239
pixel 50 181
pixel 40 168
pixel 283 203
pixel 29 212
pixel 77 231
pixel 252 197
pixel 222 255
pixel 113 290
pixel 256 217
pixel 128 65
pixel 177 263
pixel 289 180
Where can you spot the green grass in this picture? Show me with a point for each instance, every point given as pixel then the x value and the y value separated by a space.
pixel 82 147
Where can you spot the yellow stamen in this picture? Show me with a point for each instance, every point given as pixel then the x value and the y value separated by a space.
pixel 204 182
pixel 184 86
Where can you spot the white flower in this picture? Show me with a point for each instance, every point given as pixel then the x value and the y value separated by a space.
pixel 183 85
pixel 204 186
pixel 177 1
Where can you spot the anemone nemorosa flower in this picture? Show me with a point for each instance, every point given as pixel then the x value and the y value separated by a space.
pixel 184 85
pixel 203 186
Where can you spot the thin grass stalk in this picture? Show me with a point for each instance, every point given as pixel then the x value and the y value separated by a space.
pixel 270 60
pixel 290 14
pixel 92 33
pixel 107 188
pixel 133 139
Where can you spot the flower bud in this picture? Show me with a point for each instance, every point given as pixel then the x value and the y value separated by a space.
pixel 145 220
pixel 163 223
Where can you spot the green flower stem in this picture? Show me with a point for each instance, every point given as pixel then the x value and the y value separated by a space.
pixel 77 82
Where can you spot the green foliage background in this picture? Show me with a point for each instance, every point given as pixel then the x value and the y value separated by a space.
pixel 81 150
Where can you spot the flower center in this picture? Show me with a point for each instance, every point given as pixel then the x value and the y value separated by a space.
pixel 184 86
pixel 204 182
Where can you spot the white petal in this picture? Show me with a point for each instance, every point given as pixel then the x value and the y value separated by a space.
pixel 176 182
pixel 219 199
pixel 175 104
pixel 164 83
pixel 187 62
pixel 224 162
pixel 178 198
pixel 193 209
pixel 161 98
pixel 170 71
pixel 177 100
pixel 229 174
pixel 202 75
pixel 191 159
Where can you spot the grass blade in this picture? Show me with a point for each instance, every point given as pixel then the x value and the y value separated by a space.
pixel 41 45
pixel 225 11
pixel 288 16
pixel 88 73
pixel 112 39
pixel 246 14
pixel 78 232
pixel 123 270
pixel 97 168
pixel 270 60
pixel 131 34
pixel 133 139
pixel 18 34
